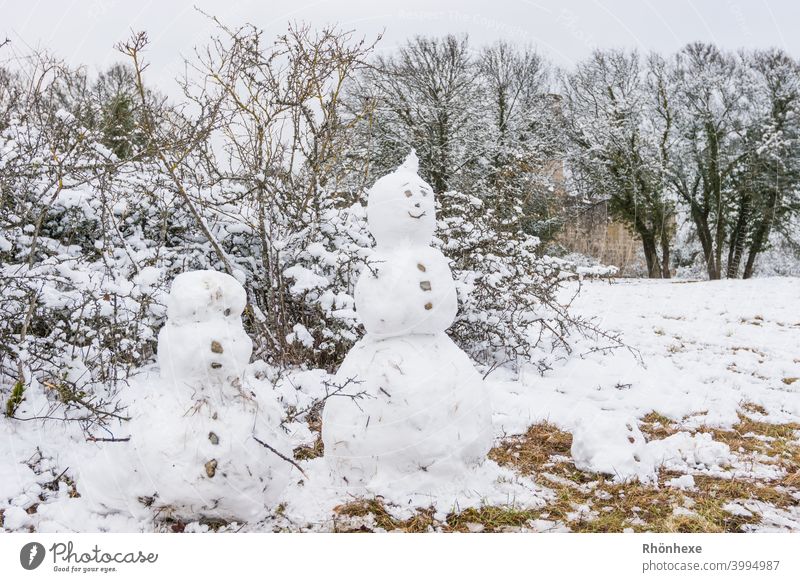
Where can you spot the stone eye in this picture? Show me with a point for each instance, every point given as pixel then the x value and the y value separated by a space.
pixel 409 193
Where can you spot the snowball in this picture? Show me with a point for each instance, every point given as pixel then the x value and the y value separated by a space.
pixel 611 444
pixel 15 518
pixel 408 290
pixel 682 482
pixel 203 342
pixel 198 296
pixel 413 410
pixel 682 451
pixel 400 208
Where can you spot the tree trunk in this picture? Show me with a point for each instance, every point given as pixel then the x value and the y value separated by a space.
pixel 665 253
pixel 651 255
pixel 714 192
pixel 704 234
pixel 738 236
pixel 760 236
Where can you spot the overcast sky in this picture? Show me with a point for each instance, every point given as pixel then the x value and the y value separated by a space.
pixel 84 31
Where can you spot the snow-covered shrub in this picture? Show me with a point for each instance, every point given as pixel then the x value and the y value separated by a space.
pixel 81 234
pixel 320 264
pixel 508 309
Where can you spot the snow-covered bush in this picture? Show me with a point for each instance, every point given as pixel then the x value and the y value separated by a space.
pixel 87 245
pixel 508 305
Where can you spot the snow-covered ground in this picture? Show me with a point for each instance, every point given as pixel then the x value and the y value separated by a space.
pixel 706 355
pixel 706 348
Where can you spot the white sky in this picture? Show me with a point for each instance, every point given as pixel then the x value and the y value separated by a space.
pixel 84 31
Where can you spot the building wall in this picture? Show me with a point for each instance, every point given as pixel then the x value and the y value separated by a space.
pixel 592 232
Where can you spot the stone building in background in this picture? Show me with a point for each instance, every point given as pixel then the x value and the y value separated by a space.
pixel 589 229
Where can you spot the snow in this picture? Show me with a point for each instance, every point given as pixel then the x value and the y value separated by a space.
pixel 737 509
pixel 704 350
pixel 203 339
pixel 301 335
pixel 148 278
pixel 191 455
pixel 488 484
pixel 615 446
pixel 413 413
pixel 682 482
pixel 611 444
pixel 304 279
pixel 15 518
pixel 195 431
pixel 400 207
pixel 407 290
pixel 683 451
pixel 422 416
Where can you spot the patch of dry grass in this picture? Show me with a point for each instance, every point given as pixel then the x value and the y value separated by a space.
pixel 308 452
pixel 640 507
pixel 543 453
pixel 317 448
pixel 529 452
pixel 490 519
pixel 656 426
pixel 374 512
pixel 775 443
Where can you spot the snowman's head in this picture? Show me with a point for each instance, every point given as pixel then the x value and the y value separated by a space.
pixel 400 207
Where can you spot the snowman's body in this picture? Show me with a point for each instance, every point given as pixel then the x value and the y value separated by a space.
pixel 417 409
pixel 193 435
pixel 408 290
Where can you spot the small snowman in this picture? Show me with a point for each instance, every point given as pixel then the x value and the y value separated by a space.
pixel 193 434
pixel 418 413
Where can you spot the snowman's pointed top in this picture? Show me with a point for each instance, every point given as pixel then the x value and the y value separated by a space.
pixel 411 163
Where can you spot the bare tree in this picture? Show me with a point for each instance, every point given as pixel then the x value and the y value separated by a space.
pixel 707 103
pixel 424 97
pixel 522 137
pixel 768 181
pixel 618 146
pixel 262 140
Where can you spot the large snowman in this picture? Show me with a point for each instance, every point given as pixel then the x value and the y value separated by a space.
pixel 195 452
pixel 416 413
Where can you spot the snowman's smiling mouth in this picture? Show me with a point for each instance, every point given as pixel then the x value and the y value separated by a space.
pixel 417 217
